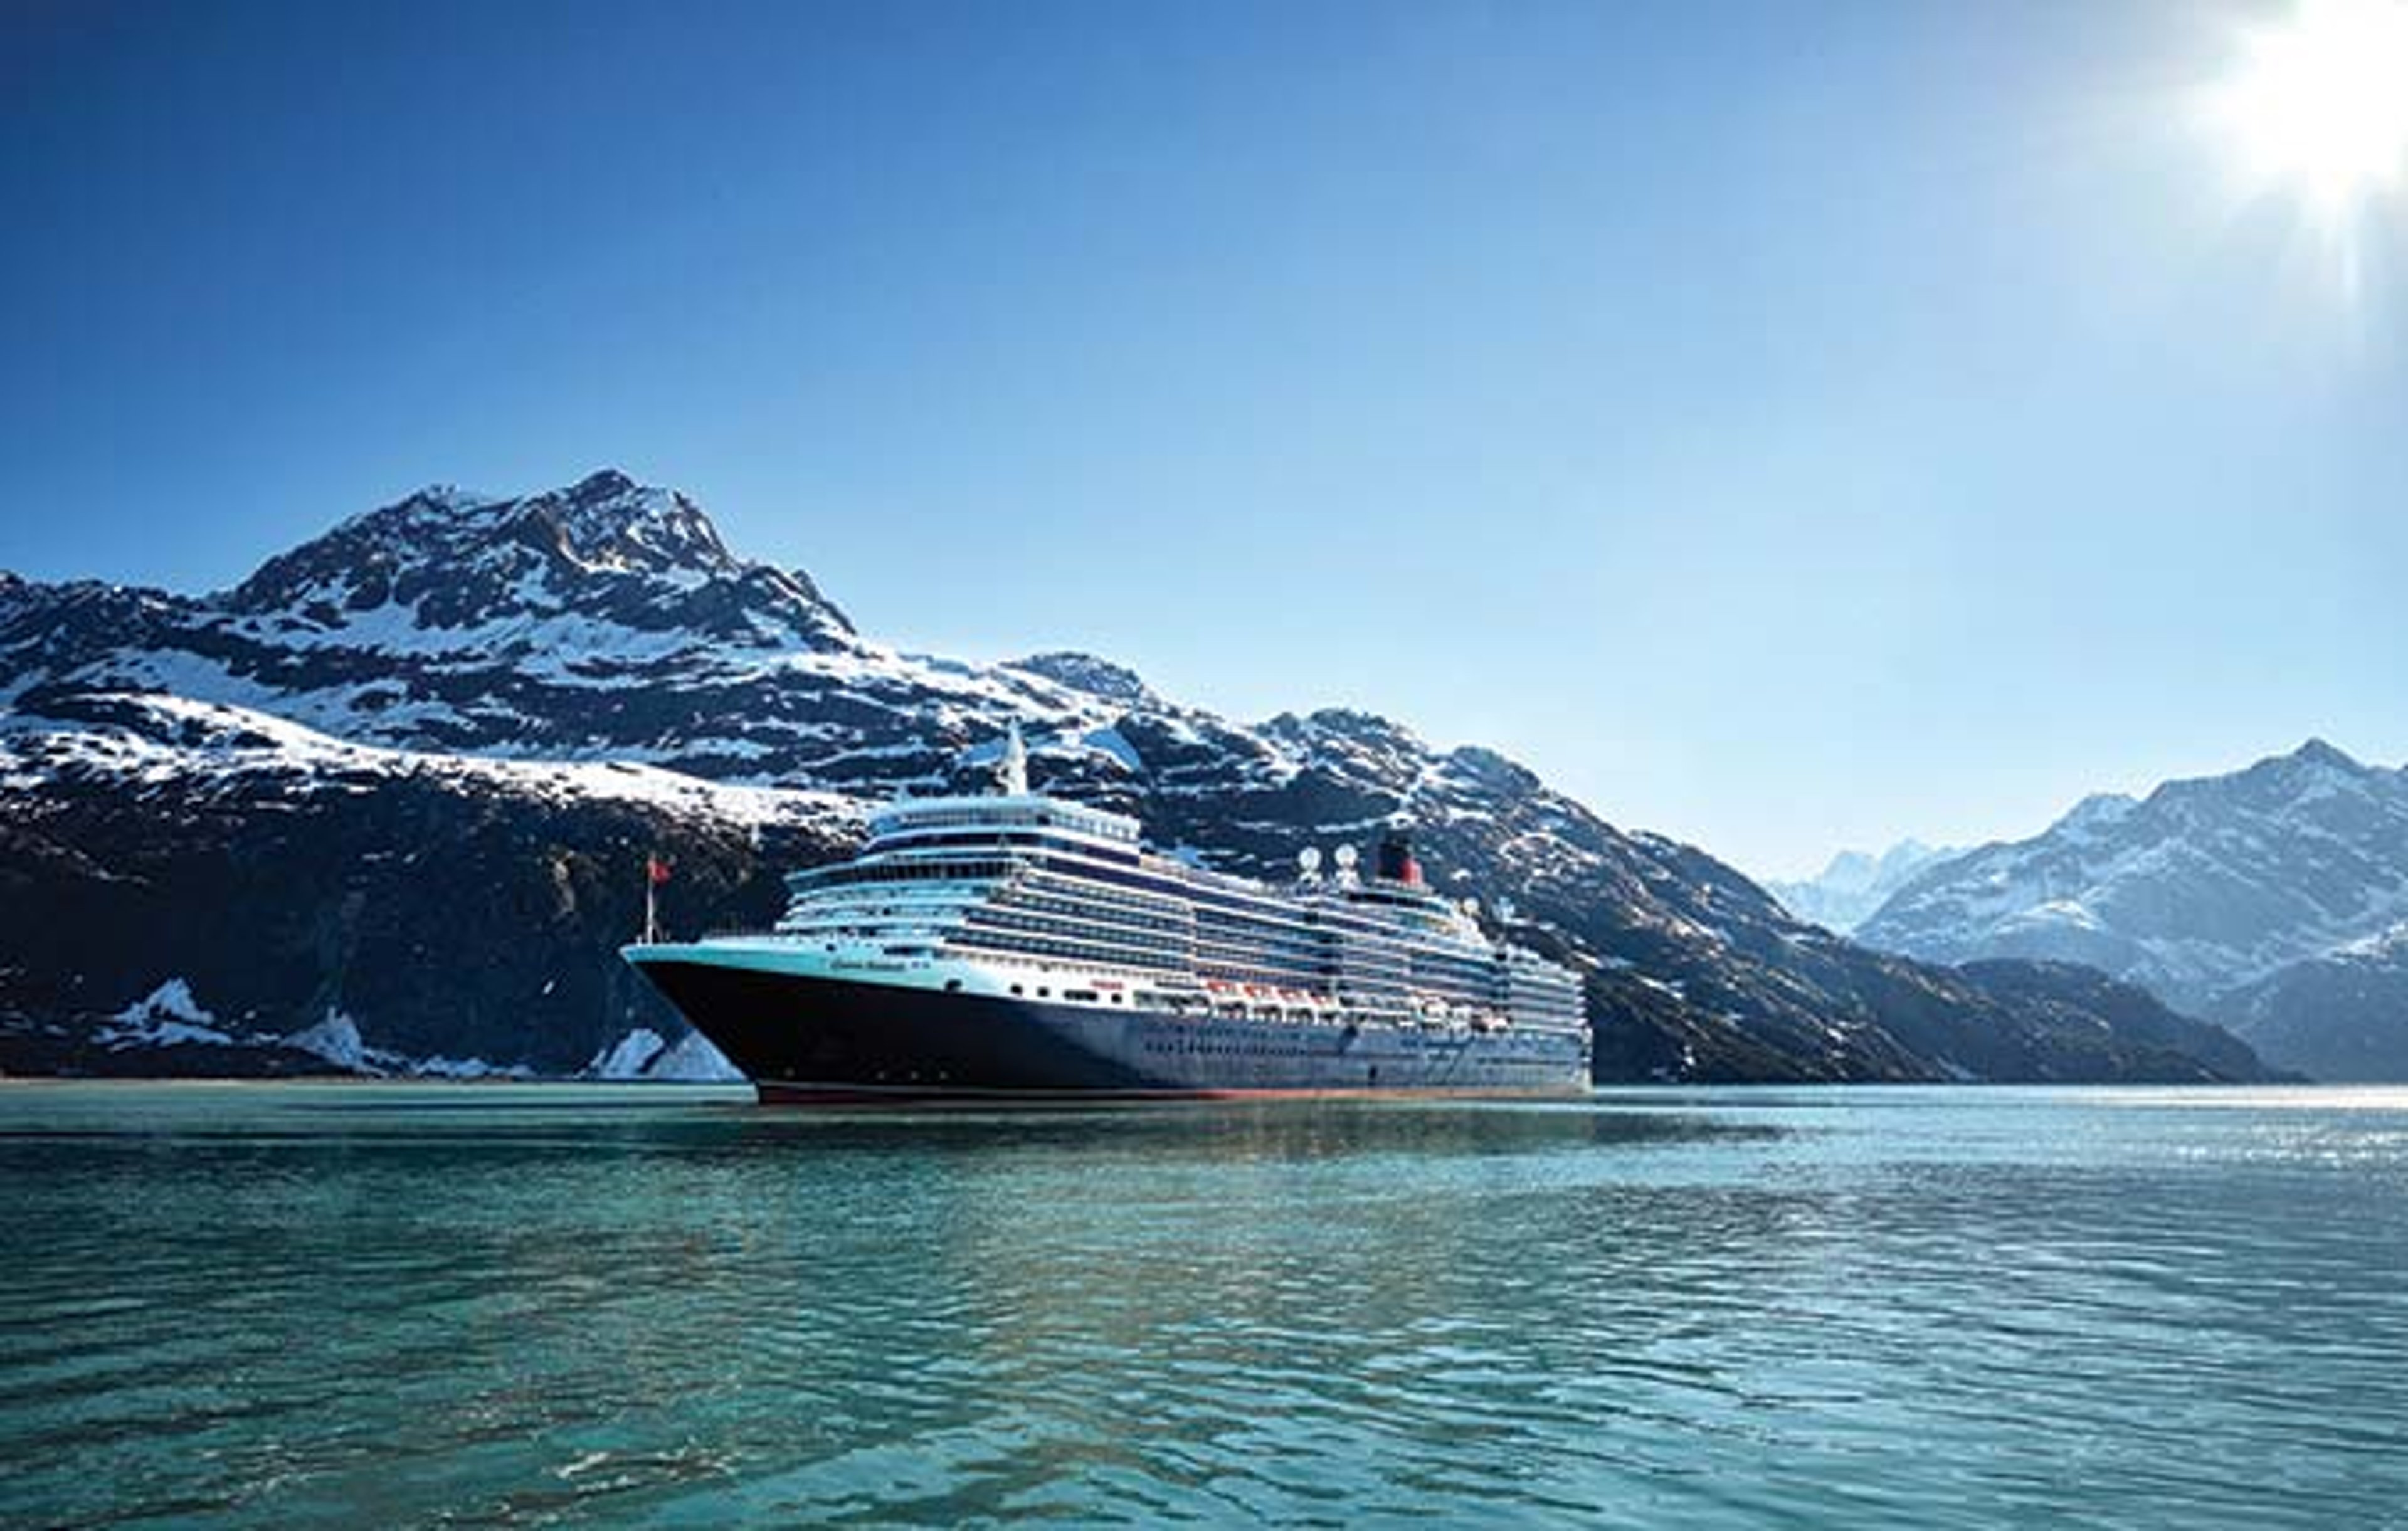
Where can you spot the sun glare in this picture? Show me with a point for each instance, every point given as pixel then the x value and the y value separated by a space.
pixel 2317 106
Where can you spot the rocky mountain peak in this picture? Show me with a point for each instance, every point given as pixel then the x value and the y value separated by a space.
pixel 2315 778
pixel 1855 883
pixel 604 484
pixel 604 615
pixel 1854 871
pixel 451 566
pixel 605 523
pixel 1848 869
pixel 1084 672
pixel 608 520
pixel 2318 754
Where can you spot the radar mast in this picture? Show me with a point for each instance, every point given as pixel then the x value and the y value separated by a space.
pixel 1011 778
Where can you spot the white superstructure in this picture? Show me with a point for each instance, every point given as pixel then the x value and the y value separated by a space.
pixel 1016 893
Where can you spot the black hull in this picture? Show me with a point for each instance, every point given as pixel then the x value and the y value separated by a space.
pixel 831 1041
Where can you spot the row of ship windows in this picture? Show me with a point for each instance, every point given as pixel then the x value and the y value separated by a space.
pixel 1177 1005
pixel 1055 927
pixel 998 840
pixel 833 909
pixel 1283 1049
pixel 994 928
pixel 918 871
pixel 1264 924
pixel 1072 950
pixel 1054 883
pixel 1006 918
pixel 1307 952
pixel 1259 910
pixel 1385 942
pixel 1226 1010
pixel 1137 953
pixel 1261 929
pixel 1115 918
pixel 1226 972
pixel 1067 815
pixel 1262 907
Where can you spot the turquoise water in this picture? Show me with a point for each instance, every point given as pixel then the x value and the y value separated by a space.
pixel 349 1304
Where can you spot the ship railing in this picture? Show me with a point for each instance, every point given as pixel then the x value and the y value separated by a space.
pixel 752 933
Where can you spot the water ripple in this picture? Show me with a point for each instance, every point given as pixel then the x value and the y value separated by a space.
pixel 423 1306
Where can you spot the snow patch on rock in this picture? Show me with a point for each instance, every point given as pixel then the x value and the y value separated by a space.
pixel 693 1060
pixel 629 1057
pixel 335 1038
pixel 165 1016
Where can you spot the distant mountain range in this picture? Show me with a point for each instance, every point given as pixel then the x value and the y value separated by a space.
pixel 2274 900
pixel 1845 894
pixel 384 806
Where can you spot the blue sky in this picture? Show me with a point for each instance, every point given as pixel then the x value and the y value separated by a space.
pixel 1784 425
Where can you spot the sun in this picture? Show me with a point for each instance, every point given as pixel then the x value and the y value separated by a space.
pixel 2317 106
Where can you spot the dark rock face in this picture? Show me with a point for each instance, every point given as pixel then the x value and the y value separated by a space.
pixel 1097 678
pixel 338 761
pixel 454 916
pixel 2252 897
pixel 2130 1031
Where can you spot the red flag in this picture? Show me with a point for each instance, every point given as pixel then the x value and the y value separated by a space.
pixel 656 870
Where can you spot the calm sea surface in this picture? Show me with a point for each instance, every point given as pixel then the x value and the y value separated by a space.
pixel 366 1304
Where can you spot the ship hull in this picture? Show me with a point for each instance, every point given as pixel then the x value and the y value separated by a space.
pixel 815 1040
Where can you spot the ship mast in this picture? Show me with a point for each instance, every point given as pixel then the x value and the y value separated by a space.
pixel 1011 778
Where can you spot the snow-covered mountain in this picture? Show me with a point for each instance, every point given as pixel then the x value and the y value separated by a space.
pixel 1845 894
pixel 2248 897
pixel 602 621
pixel 413 766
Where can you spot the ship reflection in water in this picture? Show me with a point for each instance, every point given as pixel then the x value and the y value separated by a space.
pixel 370 1303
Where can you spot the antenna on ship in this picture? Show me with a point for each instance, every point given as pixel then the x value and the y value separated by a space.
pixel 1346 856
pixel 1013 777
pixel 1308 862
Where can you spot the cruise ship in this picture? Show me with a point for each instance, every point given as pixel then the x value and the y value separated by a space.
pixel 1016 947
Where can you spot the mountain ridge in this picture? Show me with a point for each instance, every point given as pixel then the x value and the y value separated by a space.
pixel 607 624
pixel 2259 897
